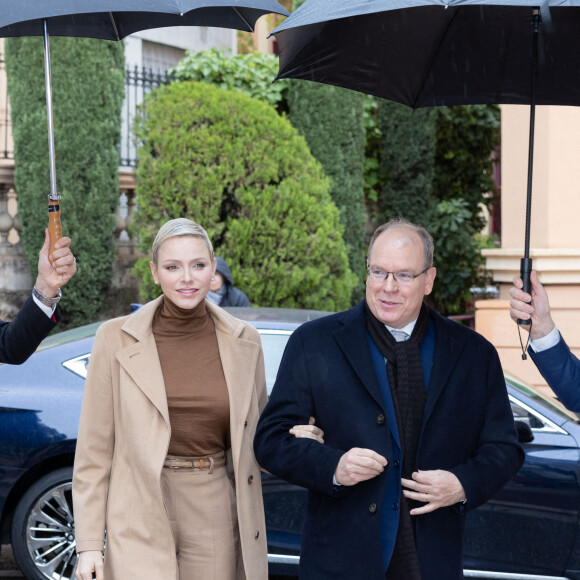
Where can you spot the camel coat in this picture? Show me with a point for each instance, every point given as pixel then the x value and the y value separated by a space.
pixel 123 440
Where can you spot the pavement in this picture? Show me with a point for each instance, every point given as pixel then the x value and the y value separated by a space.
pixel 8 568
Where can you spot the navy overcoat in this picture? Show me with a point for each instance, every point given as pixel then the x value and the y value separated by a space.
pixel 20 338
pixel 327 372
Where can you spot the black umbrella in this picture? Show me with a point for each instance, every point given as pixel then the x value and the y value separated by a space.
pixel 113 20
pixel 425 53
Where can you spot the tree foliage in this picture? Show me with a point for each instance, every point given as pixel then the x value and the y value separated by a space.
pixel 330 118
pixel 457 256
pixel 88 91
pixel 232 164
pixel 408 156
pixel 467 137
pixel 250 73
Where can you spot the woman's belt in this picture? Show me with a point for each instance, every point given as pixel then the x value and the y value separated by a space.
pixel 173 462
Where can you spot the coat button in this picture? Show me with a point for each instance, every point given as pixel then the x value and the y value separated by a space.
pixel 245 423
pixel 395 506
pixel 257 535
pixel 396 464
pixel 381 419
pixel 373 508
pixel 250 479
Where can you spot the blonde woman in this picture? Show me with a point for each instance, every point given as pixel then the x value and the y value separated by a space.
pixel 164 459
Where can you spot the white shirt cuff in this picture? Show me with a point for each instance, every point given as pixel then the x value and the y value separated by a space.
pixel 48 310
pixel 334 480
pixel 551 339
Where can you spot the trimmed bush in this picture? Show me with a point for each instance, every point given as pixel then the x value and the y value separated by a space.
pixel 331 120
pixel 234 165
pixel 250 73
pixel 408 154
pixel 88 91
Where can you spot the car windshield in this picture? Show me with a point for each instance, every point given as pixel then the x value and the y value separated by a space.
pixel 553 404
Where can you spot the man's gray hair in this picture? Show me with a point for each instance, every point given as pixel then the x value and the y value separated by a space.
pixel 419 230
pixel 179 227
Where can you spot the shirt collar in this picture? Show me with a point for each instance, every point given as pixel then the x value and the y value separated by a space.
pixel 408 328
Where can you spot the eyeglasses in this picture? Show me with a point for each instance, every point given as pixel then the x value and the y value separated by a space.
pixel 377 275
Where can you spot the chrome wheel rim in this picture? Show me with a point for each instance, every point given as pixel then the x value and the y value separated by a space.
pixel 50 534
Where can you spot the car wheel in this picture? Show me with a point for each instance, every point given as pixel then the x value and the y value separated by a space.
pixel 43 529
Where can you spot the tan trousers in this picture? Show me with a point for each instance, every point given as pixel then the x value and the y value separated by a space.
pixel 201 506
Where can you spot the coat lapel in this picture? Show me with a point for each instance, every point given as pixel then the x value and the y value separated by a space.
pixel 352 339
pixel 448 349
pixel 141 361
pixel 239 359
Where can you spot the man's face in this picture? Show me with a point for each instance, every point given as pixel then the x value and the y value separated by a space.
pixel 398 249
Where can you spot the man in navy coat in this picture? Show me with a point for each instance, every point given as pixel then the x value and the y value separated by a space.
pixel 418 428
pixel 549 351
pixel 39 314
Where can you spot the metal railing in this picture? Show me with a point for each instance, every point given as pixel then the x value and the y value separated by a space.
pixel 139 81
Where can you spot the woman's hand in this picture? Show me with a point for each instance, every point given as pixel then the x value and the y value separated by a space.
pixel 310 431
pixel 89 562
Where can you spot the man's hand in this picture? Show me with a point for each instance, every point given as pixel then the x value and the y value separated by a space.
pixel 310 431
pixel 56 270
pixel 359 465
pixel 436 488
pixel 538 310
pixel 89 562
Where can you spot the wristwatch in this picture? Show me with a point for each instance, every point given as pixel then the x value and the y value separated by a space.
pixel 50 302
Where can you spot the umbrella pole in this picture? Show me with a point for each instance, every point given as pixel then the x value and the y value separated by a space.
pixel 526 261
pixel 54 226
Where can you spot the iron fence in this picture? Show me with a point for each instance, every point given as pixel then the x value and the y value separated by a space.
pixel 138 82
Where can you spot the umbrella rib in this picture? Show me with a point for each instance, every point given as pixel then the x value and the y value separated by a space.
pixel 114 25
pixel 250 27
pixel 434 57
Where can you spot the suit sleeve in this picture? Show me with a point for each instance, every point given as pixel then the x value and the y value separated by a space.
pixel 21 337
pixel 94 452
pixel 498 455
pixel 301 461
pixel 561 370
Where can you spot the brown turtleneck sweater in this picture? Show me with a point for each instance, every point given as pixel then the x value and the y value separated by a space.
pixel 197 395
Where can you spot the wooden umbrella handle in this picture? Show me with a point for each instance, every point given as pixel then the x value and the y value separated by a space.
pixel 54 227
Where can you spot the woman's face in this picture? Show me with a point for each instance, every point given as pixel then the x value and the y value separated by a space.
pixel 184 270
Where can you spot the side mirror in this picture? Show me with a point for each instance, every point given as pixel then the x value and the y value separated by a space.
pixel 524 430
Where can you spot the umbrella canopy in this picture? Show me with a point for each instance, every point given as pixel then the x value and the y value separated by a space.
pixel 115 19
pixel 425 53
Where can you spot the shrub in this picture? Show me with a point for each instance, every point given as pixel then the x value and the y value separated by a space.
pixel 250 73
pixel 457 256
pixel 330 118
pixel 235 166
pixel 88 91
pixel 408 153
pixel 467 137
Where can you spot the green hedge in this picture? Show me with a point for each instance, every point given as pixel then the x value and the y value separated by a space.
pixel 235 166
pixel 88 91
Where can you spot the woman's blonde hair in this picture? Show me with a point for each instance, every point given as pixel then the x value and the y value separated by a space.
pixel 179 227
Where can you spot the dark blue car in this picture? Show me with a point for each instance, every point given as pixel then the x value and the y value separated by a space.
pixel 530 530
